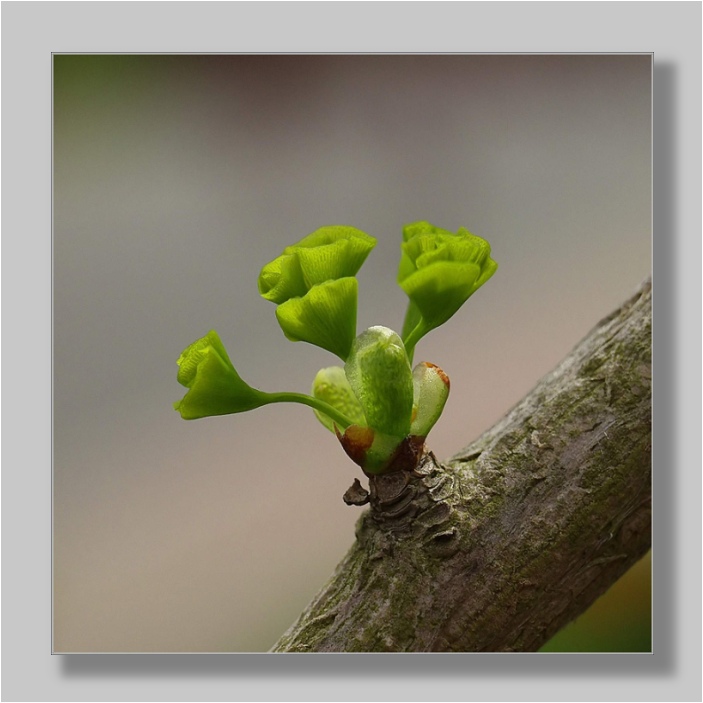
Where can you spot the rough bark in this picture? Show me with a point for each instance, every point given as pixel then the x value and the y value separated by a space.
pixel 516 535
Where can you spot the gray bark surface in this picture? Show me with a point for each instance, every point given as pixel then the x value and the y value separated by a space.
pixel 506 542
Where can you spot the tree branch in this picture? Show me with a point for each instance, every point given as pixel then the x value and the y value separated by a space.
pixel 500 547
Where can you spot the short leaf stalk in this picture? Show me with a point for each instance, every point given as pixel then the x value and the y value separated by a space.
pixel 320 406
pixel 380 408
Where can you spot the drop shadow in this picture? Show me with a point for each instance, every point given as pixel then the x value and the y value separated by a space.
pixel 369 666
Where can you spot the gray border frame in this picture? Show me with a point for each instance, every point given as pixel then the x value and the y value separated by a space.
pixel 32 31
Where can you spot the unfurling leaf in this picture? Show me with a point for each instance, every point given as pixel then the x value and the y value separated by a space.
pixel 324 316
pixel 215 388
pixel 439 271
pixel 313 283
pixel 332 252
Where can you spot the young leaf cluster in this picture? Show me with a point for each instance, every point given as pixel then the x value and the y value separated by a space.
pixel 378 405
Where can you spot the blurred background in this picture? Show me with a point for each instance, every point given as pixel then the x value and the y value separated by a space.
pixel 177 177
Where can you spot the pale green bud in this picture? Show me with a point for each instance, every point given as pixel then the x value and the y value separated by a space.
pixel 332 387
pixel 431 390
pixel 379 373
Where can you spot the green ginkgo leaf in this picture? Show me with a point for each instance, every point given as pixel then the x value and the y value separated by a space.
pixel 413 229
pixel 324 316
pixel 379 373
pixel 438 291
pixel 329 253
pixel 282 279
pixel 215 388
pixel 332 387
pixel 336 251
pixel 439 271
